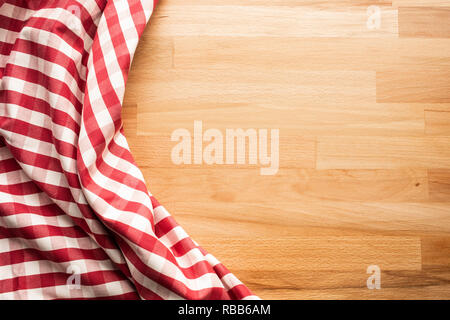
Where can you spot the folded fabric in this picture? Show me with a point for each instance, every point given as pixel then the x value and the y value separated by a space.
pixel 76 218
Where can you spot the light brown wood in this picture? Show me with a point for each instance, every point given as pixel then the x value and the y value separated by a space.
pixel 415 85
pixel 372 152
pixel 437 123
pixel 364 123
pixel 439 184
pixel 291 185
pixel 414 23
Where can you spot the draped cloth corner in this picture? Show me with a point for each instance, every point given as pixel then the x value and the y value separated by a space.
pixel 76 218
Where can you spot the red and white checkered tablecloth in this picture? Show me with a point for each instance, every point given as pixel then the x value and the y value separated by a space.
pixel 72 201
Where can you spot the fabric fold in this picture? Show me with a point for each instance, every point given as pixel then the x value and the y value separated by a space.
pixel 76 218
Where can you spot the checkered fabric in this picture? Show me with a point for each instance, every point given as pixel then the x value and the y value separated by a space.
pixel 76 219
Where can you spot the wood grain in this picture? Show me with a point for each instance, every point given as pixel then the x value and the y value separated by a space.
pixel 366 152
pixel 414 85
pixel 437 123
pixel 363 116
pixel 321 253
pixel 439 184
pixel 290 53
pixel 290 185
pixel 310 218
pixel 424 22
pixel 271 20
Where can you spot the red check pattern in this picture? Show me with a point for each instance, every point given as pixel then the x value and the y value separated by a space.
pixel 72 201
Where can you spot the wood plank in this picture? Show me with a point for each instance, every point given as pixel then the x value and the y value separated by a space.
pixel 418 3
pixel 175 89
pixel 238 20
pixel 308 217
pixel 436 252
pixel 288 185
pixel 289 3
pixel 437 123
pixel 293 117
pixel 424 22
pixel 352 152
pixel 414 85
pixel 437 107
pixel 318 253
pixel 430 284
pixel 439 184
pixel 288 53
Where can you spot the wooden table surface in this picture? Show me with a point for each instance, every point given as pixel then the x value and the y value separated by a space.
pixel 363 112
